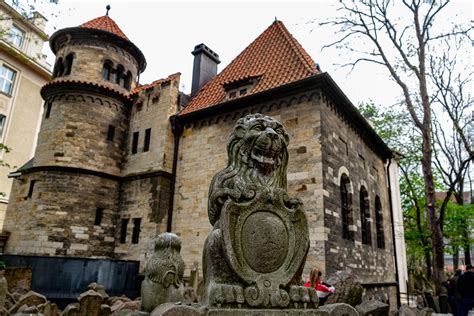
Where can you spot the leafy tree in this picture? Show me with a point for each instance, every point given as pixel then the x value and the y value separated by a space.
pixel 407 39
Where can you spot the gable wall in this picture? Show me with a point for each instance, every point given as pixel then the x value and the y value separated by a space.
pixel 202 153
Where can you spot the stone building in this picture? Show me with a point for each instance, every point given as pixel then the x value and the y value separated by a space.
pixel 23 71
pixel 117 163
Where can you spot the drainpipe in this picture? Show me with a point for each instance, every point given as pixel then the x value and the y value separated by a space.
pixel 177 130
pixel 393 231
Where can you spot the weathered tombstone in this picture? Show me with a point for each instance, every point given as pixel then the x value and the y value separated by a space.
pixel 373 307
pixel 348 288
pixel 429 301
pixel 337 309
pixel 90 304
pixel 30 299
pixel 99 288
pixel 163 274
pixel 254 256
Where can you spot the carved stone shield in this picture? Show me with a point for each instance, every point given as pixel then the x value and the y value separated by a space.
pixel 264 241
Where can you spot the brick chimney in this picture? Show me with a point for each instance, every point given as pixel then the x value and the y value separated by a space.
pixel 205 67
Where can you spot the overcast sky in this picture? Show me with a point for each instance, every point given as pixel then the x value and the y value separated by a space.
pixel 167 32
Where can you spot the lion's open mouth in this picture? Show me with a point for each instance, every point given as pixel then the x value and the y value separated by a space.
pixel 265 156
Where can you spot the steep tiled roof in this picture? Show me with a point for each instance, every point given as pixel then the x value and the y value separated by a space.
pixel 104 23
pixel 155 83
pixel 274 59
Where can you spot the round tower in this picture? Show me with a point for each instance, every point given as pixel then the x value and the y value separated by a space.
pixel 86 103
pixel 65 203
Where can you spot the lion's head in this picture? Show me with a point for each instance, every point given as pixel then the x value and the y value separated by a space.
pixel 257 157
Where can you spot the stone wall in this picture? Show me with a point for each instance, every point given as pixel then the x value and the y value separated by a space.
pixel 75 133
pixel 202 153
pixel 52 221
pixel 146 198
pixel 346 152
pixel 89 58
pixel 152 110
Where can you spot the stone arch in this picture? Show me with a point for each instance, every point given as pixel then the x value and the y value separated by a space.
pixel 58 68
pixel 68 61
pixel 107 70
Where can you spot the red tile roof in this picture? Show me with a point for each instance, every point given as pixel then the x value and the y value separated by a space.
pixel 104 23
pixel 275 57
pixel 155 83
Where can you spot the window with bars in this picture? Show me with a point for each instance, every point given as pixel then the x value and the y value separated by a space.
pixel 364 216
pixel 379 223
pixel 345 208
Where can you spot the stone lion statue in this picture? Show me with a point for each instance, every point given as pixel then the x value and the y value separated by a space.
pixel 258 156
pixel 248 198
pixel 163 273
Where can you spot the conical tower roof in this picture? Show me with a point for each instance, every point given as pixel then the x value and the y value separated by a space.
pixel 104 23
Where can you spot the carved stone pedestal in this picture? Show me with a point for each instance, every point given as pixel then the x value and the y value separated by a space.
pixel 170 309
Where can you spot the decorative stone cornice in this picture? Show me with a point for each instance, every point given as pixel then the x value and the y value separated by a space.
pixel 76 88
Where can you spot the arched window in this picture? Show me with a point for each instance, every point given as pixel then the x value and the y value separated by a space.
pixel 58 68
pixel 107 70
pixel 119 74
pixel 68 64
pixel 379 223
pixel 346 215
pixel 128 80
pixel 364 216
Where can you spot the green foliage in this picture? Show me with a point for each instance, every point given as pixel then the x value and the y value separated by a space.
pixel 459 219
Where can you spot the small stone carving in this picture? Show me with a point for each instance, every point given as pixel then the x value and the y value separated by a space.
pixel 163 274
pixel 255 253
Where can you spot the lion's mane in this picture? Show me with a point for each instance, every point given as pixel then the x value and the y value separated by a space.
pixel 245 172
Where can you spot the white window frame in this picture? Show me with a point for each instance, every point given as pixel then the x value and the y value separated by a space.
pixel 16 36
pixel 5 80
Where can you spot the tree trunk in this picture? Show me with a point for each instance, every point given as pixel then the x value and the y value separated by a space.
pixel 455 258
pixel 467 248
pixel 433 222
